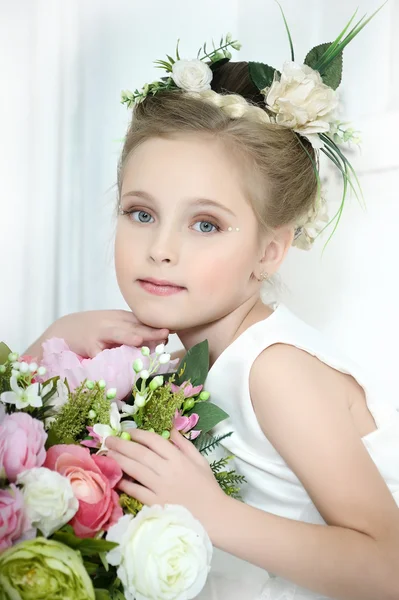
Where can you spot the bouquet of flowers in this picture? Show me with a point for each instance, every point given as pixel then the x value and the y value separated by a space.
pixel 66 532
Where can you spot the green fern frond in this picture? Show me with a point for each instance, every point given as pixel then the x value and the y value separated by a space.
pixel 209 442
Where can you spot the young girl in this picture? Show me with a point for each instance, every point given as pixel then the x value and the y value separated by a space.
pixel 211 193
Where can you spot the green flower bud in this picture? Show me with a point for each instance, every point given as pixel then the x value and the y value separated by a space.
pixel 166 434
pixel 152 430
pixel 111 393
pixel 38 569
pixel 138 365
pixel 90 384
pixel 204 396
pixel 92 414
pixel 13 356
pixel 188 404
pixel 2 369
pixel 125 435
pixel 145 351
pixel 156 382
pixel 101 384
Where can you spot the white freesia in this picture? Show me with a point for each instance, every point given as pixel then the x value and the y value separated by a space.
pixel 114 428
pixel 22 397
pixel 302 102
pixel 49 500
pixel 173 562
pixel 192 75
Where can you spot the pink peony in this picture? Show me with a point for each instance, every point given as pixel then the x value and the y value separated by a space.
pixel 13 523
pixel 93 479
pixel 188 389
pixel 22 440
pixel 113 365
pixel 186 424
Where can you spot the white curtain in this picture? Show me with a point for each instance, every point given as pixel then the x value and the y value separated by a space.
pixel 63 65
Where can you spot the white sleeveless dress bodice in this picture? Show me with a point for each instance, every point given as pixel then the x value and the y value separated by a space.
pixel 271 485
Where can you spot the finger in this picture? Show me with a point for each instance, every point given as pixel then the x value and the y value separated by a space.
pixel 187 447
pixel 133 336
pixel 136 452
pixel 154 442
pixel 95 348
pixel 139 472
pixel 137 491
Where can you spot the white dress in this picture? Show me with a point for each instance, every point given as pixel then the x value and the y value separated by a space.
pixel 271 484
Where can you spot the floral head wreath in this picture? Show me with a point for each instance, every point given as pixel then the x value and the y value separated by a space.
pixel 301 97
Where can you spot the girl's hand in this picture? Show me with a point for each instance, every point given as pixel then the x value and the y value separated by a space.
pixel 168 473
pixel 88 333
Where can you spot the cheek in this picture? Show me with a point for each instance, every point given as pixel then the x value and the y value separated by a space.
pixel 225 265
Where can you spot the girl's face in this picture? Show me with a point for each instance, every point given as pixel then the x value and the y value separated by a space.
pixel 188 244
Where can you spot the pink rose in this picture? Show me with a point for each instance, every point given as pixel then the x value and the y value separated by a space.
pixel 93 479
pixel 22 440
pixel 13 523
pixel 113 365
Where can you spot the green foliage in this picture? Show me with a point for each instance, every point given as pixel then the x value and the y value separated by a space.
pixel 194 366
pixel 4 352
pixel 130 505
pixel 332 74
pixel 205 443
pixel 72 419
pixel 230 482
pixel 159 411
pixel 86 546
pixel 209 415
pixel 262 75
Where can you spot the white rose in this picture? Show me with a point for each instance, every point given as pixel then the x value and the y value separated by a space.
pixel 163 554
pixel 302 101
pixel 49 500
pixel 192 75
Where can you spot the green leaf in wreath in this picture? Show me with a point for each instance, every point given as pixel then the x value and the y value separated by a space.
pixel 4 352
pixel 262 76
pixel 194 366
pixel 218 63
pixel 332 74
pixel 209 415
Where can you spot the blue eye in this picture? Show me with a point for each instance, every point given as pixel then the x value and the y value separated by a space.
pixel 205 227
pixel 141 216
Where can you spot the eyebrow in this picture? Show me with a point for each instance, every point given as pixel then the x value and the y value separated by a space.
pixel 195 201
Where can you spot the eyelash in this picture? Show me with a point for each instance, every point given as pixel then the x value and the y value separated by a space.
pixel 131 212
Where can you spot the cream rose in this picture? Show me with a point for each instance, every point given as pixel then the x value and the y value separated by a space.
pixel 302 102
pixel 49 500
pixel 192 75
pixel 163 554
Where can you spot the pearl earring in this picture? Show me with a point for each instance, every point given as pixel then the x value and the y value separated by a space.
pixel 264 276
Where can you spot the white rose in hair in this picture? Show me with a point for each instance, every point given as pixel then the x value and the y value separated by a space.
pixel 163 554
pixel 302 102
pixel 192 75
pixel 49 500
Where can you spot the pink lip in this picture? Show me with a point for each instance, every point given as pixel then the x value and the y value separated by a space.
pixel 160 287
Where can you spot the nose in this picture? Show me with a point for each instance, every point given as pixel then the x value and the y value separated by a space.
pixel 164 248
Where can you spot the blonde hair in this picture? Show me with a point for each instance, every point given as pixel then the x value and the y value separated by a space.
pixel 279 177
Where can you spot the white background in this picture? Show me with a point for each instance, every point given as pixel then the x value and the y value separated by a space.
pixel 63 65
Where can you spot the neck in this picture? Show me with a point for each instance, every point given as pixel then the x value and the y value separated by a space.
pixel 222 332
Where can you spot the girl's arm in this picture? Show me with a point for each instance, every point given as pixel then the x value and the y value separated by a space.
pixel 307 419
pixel 305 416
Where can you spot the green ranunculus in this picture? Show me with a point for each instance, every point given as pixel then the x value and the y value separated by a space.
pixel 41 569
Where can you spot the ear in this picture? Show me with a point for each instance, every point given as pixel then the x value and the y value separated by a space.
pixel 274 250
